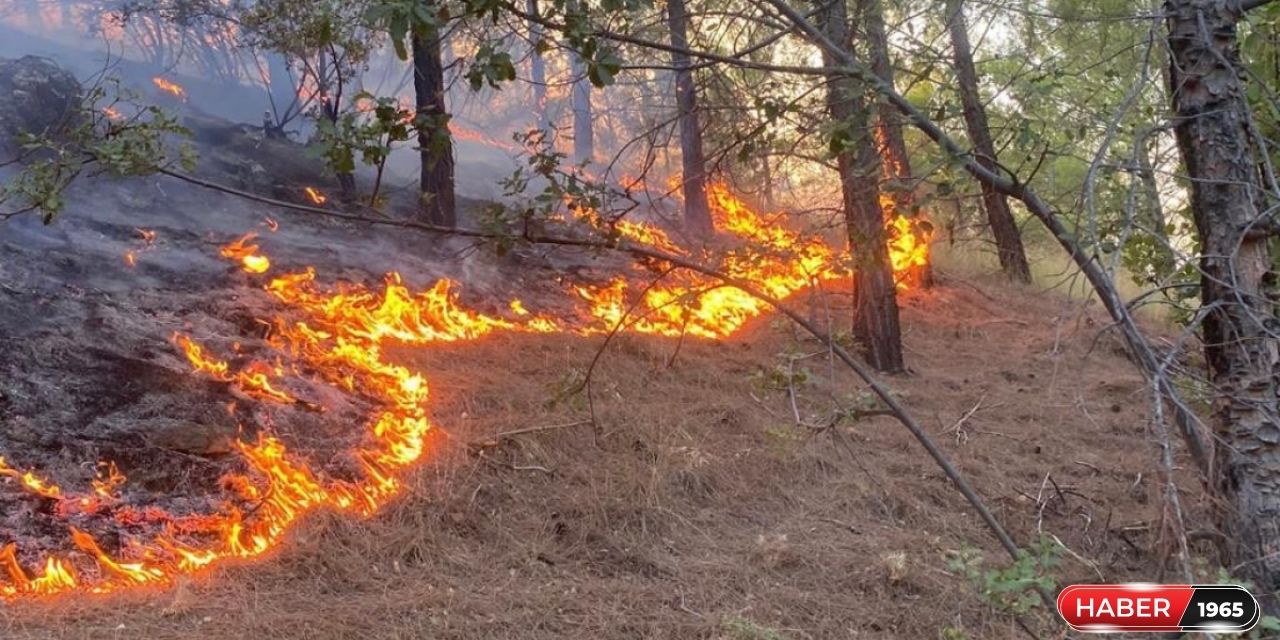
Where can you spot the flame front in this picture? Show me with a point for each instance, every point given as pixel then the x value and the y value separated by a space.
pixel 338 335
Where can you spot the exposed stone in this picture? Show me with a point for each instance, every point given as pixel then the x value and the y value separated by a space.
pixel 36 96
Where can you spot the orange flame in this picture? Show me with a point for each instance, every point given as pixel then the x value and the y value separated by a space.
pixel 172 88
pixel 247 254
pixel 340 335
pixel 315 195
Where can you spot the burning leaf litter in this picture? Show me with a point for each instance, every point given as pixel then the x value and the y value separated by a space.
pixel 338 334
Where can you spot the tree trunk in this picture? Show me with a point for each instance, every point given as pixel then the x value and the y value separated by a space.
pixel 329 109
pixel 434 140
pixel 1213 132
pixel 281 92
pixel 889 136
pixel 875 293
pixel 697 213
pixel 584 143
pixel 538 68
pixel 1013 258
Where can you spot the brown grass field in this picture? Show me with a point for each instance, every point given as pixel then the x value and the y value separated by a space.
pixel 698 506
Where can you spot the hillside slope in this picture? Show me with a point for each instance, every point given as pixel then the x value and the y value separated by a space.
pixel 704 503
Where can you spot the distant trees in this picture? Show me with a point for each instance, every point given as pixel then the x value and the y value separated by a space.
pixel 538 66
pixel 584 133
pixel 1013 257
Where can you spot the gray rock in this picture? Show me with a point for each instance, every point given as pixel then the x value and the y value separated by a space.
pixel 36 96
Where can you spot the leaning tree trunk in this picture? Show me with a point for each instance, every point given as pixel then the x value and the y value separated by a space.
pixel 434 140
pixel 889 136
pixel 875 293
pixel 1013 258
pixel 1237 287
pixel 697 213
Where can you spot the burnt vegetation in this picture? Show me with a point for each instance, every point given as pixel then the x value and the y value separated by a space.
pixel 619 318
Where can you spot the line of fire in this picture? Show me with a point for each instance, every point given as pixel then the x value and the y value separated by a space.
pixel 769 318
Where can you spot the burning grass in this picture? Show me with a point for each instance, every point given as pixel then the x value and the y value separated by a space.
pixel 698 507
pixel 339 335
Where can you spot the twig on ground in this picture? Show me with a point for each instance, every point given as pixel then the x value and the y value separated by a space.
pixel 550 427
pixel 961 436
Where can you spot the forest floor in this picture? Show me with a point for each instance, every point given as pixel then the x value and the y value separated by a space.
pixel 705 503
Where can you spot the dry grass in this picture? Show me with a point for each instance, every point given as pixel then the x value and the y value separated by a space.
pixel 698 508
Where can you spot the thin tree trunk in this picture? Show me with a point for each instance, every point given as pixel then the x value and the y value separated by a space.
pixel 329 101
pixel 1013 258
pixel 1151 199
pixel 538 68
pixel 1213 132
pixel 889 136
pixel 281 92
pixel 697 213
pixel 434 140
pixel 875 293
pixel 584 143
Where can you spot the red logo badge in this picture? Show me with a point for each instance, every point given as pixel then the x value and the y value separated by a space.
pixel 1155 607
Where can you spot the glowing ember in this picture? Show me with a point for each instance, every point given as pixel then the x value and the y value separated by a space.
pixel 172 88
pixel 131 258
pixel 31 482
pixel 315 195
pixel 338 336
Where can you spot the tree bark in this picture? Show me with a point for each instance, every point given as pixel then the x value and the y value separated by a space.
pixel 697 213
pixel 1237 287
pixel 435 143
pixel 1013 258
pixel 875 293
pixel 896 162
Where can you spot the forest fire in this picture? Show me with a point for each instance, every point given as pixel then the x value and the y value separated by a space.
pixel 338 335
pixel 172 88
pixel 315 195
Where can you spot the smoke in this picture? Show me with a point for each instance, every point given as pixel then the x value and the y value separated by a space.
pixel 223 78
